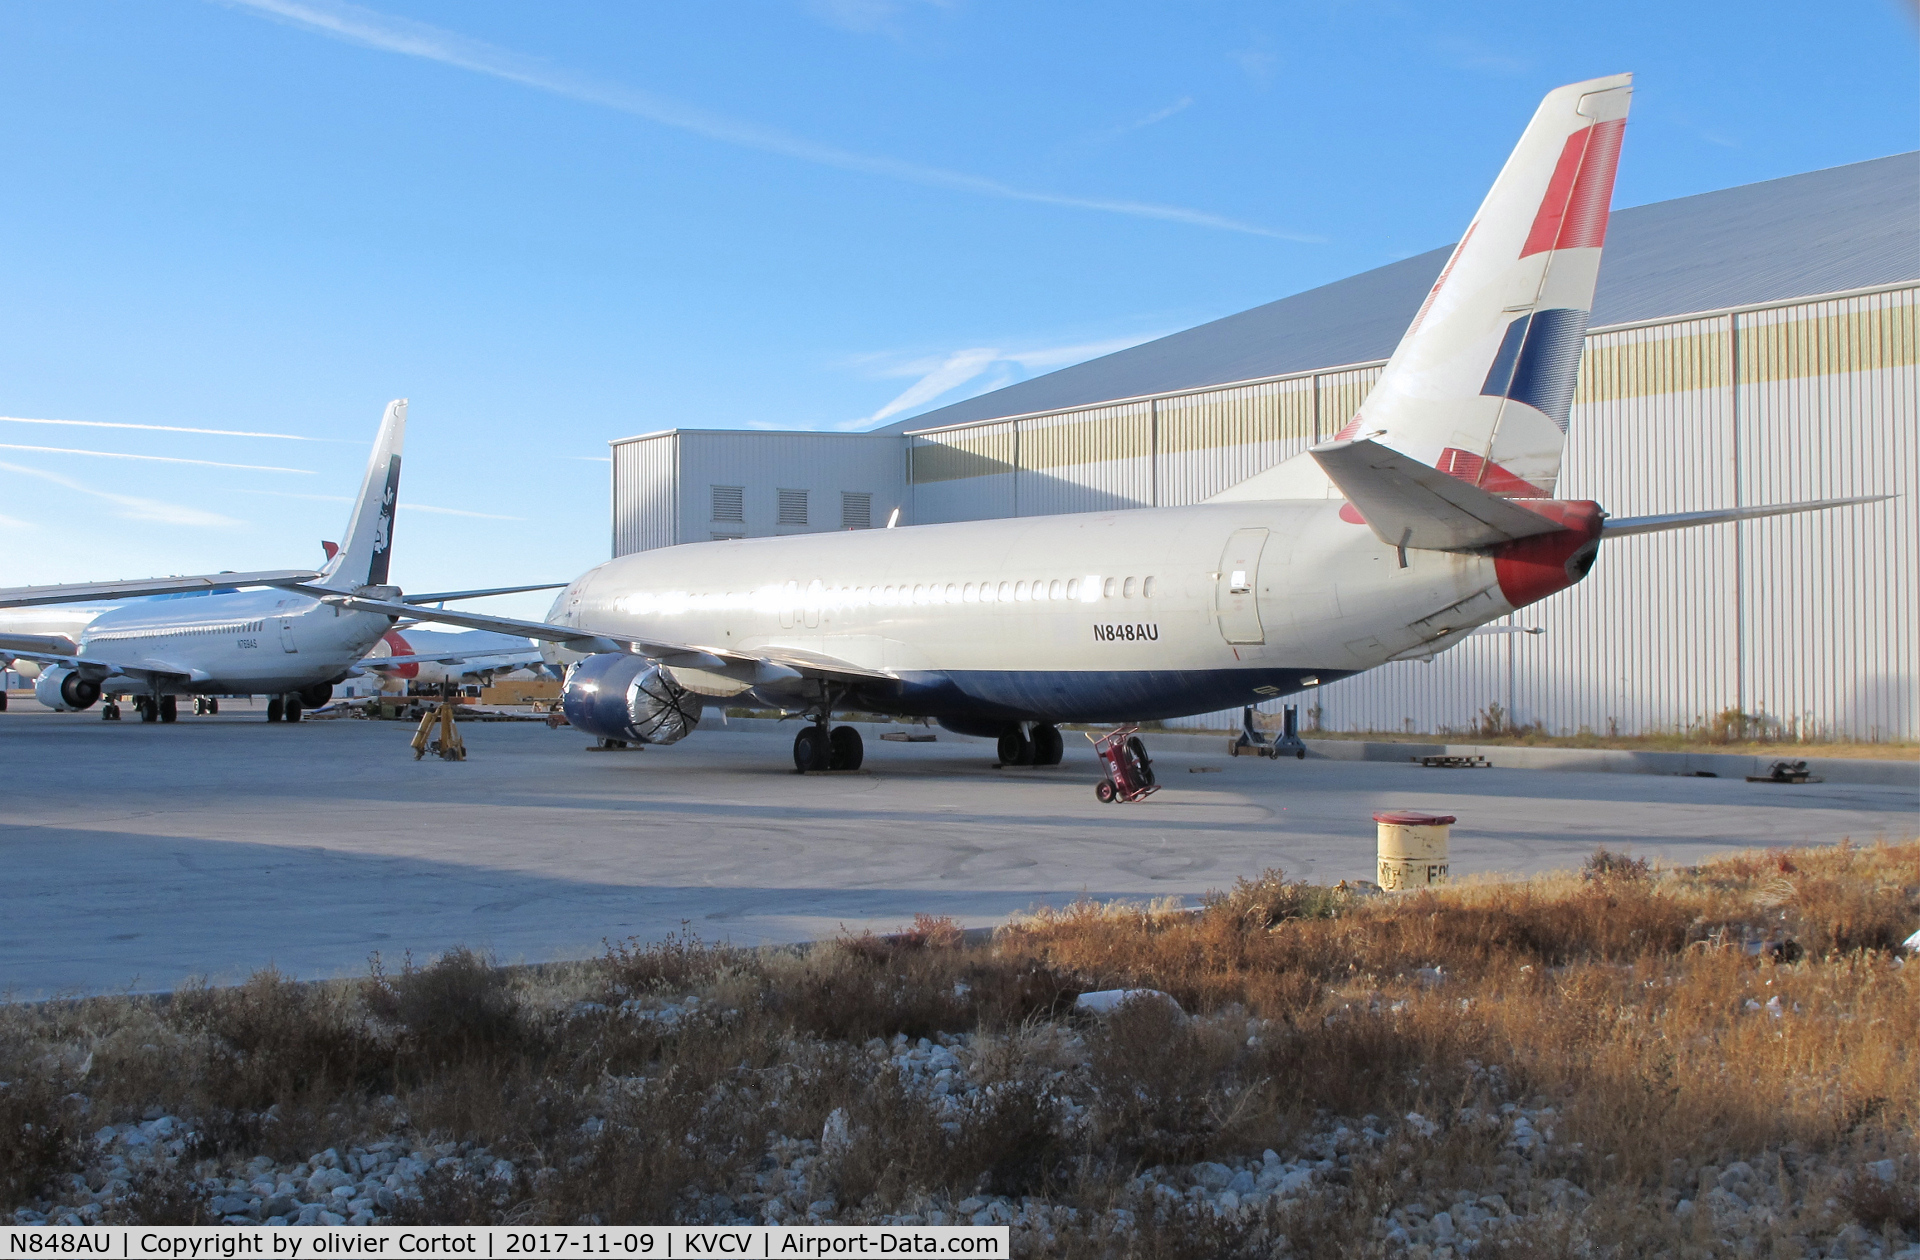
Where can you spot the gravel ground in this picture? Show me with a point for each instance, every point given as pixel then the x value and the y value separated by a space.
pixel 1773 1204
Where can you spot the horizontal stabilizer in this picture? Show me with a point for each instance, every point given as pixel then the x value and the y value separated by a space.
pixel 1620 526
pixel 1411 504
pixel 85 592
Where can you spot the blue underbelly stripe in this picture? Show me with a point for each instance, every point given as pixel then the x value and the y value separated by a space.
pixel 1089 695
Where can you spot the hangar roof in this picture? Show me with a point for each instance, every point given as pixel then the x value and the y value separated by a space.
pixel 1847 227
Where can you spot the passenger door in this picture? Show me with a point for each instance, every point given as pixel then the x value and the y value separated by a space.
pixel 1237 593
pixel 286 635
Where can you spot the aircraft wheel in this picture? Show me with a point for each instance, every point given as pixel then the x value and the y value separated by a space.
pixel 1048 747
pixel 1143 764
pixel 845 749
pixel 1015 748
pixel 169 708
pixel 812 750
pixel 1301 755
pixel 275 707
pixel 213 705
pixel 1105 791
pixel 145 707
pixel 291 712
pixel 3 702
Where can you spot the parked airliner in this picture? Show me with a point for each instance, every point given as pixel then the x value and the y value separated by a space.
pixel 432 657
pixel 290 645
pixel 1432 513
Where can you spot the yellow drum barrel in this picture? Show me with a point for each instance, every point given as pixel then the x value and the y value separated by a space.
pixel 1413 848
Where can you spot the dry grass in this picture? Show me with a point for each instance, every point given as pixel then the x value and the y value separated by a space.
pixel 1753 1009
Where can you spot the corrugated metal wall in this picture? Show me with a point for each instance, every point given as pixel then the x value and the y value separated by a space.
pixel 1153 452
pixel 646 492
pixel 663 483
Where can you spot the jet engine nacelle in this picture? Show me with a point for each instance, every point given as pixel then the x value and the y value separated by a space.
pixel 63 689
pixel 616 696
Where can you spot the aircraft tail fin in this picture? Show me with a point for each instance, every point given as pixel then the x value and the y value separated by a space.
pixel 1480 384
pixel 363 556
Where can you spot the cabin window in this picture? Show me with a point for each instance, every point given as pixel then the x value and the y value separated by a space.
pixel 1006 591
pixel 1146 588
pixel 1073 588
pixel 1108 589
pixel 1053 588
pixel 1126 592
pixel 970 594
pixel 953 593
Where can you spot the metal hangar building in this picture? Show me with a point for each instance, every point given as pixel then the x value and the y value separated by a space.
pixel 1753 345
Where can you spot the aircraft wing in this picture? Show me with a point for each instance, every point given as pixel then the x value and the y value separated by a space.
pixel 1411 504
pixel 761 665
pixel 82 592
pixel 93 666
pixel 27 644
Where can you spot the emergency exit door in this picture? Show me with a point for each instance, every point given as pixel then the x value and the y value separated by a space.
pixel 1238 597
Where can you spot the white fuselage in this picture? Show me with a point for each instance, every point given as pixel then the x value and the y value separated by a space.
pixel 256 642
pixel 1127 615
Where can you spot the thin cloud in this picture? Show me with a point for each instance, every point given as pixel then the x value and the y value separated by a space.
pixel 134 508
pixel 590 459
pixel 14 522
pixel 372 29
pixel 942 376
pixel 1140 124
pixel 166 428
pixel 440 511
pixel 156 459
pixel 404 505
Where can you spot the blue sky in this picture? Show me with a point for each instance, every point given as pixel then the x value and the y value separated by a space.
pixel 551 225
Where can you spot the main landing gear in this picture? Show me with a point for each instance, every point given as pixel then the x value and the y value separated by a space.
pixel 820 745
pixel 1031 744
pixel 157 708
pixel 285 708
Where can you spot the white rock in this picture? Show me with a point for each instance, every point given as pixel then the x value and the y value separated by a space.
pixel 1107 1000
pixel 1883 1169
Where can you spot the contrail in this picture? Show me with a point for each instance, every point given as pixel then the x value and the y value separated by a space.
pixel 162 428
pixel 373 29
pixel 157 459
pixel 136 509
